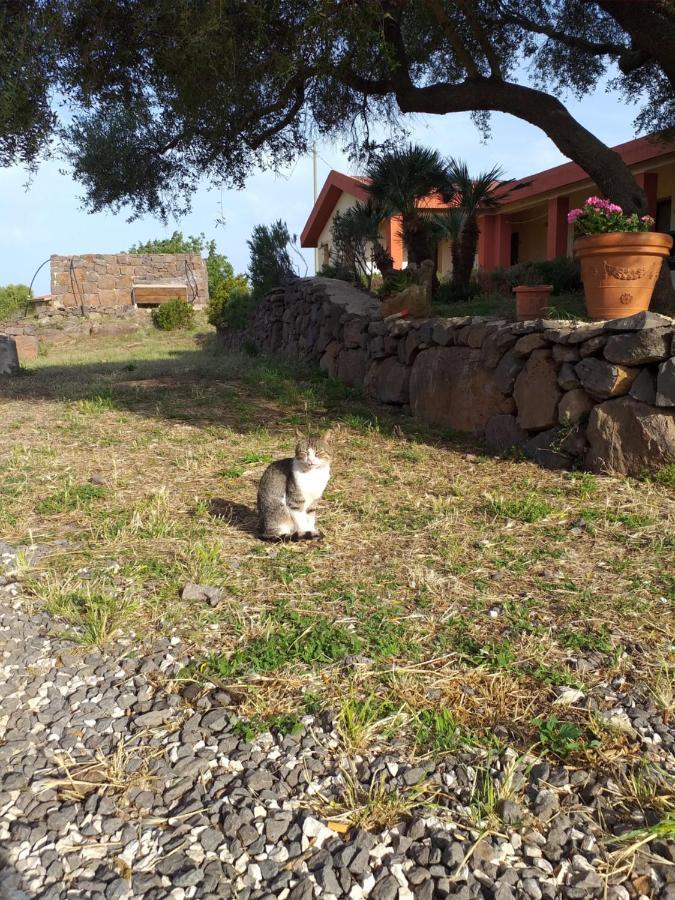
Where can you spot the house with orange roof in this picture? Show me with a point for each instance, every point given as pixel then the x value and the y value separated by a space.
pixel 529 226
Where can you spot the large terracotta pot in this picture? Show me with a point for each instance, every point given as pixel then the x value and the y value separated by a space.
pixel 532 300
pixel 619 270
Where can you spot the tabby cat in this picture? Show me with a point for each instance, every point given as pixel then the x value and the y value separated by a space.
pixel 290 490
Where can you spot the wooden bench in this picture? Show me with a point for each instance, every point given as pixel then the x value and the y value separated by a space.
pixel 154 294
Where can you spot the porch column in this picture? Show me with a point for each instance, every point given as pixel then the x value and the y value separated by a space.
pixel 503 241
pixel 482 242
pixel 394 240
pixel 648 181
pixel 487 242
pixel 557 227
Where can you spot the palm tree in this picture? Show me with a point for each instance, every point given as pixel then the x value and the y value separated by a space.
pixel 401 178
pixel 473 195
pixel 356 240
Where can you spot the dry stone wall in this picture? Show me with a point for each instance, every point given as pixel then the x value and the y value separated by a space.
pixel 566 394
pixel 104 281
pixel 57 327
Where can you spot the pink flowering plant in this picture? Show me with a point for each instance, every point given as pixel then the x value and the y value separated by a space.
pixel 598 216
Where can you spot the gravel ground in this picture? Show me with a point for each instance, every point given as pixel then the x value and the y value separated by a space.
pixel 165 799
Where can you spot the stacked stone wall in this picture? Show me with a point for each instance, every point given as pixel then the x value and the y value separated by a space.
pixel 104 282
pixel 566 394
pixel 57 327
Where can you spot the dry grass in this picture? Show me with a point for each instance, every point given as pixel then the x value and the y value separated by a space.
pixel 448 581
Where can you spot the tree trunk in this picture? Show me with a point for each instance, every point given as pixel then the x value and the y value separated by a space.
pixel 603 165
pixel 456 256
pixel 467 253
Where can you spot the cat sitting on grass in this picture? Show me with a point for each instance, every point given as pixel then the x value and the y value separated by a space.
pixel 290 490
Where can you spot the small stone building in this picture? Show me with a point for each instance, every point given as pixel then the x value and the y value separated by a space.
pixel 109 281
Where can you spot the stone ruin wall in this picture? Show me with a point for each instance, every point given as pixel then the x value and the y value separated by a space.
pixel 567 394
pixel 104 282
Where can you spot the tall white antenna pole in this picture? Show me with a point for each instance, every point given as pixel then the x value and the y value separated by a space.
pixel 316 249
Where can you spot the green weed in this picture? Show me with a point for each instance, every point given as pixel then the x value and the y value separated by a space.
pixel 562 738
pixel 438 731
pixel 70 498
pixel 313 641
pixel 529 508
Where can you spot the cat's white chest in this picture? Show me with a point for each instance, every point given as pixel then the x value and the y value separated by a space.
pixel 312 483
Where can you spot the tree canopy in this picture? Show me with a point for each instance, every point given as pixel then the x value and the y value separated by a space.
pixel 146 97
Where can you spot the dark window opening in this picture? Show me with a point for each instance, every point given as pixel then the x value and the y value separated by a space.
pixel 663 214
pixel 514 247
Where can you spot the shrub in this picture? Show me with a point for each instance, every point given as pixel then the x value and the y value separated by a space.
pixel 173 314
pixel 453 292
pixel 270 263
pixel 236 312
pixel 221 296
pixel 13 299
pixel 563 273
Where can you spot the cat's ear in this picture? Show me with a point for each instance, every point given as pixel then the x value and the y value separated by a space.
pixel 327 436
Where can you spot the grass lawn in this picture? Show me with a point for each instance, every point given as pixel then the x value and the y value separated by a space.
pixel 453 595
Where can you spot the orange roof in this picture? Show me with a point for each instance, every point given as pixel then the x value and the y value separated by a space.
pixel 335 185
pixel 640 150
pixel 635 152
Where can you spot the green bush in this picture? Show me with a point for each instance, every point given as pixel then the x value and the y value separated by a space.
pixel 563 273
pixel 235 312
pixel 270 263
pixel 13 299
pixel 451 292
pixel 173 314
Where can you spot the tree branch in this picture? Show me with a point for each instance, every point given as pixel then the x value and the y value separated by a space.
pixel 539 109
pixel 482 38
pixel 449 30
pixel 603 48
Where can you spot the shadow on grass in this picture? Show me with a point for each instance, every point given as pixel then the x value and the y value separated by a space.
pixel 245 518
pixel 209 386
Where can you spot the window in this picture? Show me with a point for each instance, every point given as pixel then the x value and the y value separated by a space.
pixel 514 247
pixel 663 214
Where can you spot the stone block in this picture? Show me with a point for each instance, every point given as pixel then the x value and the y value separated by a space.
pixel 476 335
pixel 567 377
pixel 9 357
pixel 644 387
pixel 27 347
pixel 409 347
pixel 639 321
pixel 388 381
pixel 602 379
pixel 584 333
pixel 564 353
pixel 443 334
pixel 630 437
pixel 639 347
pixel 353 334
pixel 495 346
pixel 536 392
pixel 665 384
pixel 351 366
pixel 507 371
pixel 529 342
pixel 502 434
pixel 573 406
pixel 449 387
pixel 592 346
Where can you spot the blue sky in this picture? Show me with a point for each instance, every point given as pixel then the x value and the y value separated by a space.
pixel 48 216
